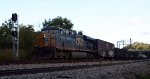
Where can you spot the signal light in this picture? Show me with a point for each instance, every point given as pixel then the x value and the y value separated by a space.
pixel 14 33
pixel 14 17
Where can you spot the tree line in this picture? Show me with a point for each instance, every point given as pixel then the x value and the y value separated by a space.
pixel 138 46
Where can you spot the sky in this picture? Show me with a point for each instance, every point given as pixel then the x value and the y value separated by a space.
pixel 109 20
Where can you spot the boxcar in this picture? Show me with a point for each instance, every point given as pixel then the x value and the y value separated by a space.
pixel 105 49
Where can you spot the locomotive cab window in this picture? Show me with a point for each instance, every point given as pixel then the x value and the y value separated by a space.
pixel 67 32
pixel 61 31
pixel 70 33
pixel 53 31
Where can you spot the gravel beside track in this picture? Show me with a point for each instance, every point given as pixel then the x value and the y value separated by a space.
pixel 117 71
pixel 44 65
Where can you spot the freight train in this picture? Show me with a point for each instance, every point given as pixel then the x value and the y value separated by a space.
pixel 54 42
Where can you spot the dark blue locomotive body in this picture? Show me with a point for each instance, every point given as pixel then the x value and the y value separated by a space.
pixel 61 43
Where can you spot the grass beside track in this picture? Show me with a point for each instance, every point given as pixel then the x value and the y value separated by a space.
pixel 7 55
pixel 144 76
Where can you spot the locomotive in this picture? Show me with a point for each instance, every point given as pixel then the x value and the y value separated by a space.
pixel 55 42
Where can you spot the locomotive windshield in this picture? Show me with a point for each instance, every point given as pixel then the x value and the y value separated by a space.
pixel 53 31
pixel 50 29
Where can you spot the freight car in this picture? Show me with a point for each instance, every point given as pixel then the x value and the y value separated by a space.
pixel 121 54
pixel 54 42
pixel 105 49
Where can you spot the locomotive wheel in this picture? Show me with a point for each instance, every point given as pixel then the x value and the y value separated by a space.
pixel 65 55
pixel 59 54
pixel 68 55
pixel 103 55
pixel 90 56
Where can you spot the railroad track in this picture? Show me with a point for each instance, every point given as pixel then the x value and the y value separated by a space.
pixel 61 68
pixel 47 61
pixel 52 61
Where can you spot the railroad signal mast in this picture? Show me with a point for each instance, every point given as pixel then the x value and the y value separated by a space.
pixel 122 43
pixel 15 36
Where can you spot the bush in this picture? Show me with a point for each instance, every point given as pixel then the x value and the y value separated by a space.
pixel 147 76
pixel 7 55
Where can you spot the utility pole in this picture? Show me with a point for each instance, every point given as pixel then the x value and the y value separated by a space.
pixel 15 36
pixel 130 42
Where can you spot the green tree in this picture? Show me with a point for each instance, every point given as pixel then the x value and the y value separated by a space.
pixel 27 39
pixel 138 46
pixel 58 22
pixel 5 35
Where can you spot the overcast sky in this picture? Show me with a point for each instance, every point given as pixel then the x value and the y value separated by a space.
pixel 110 20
